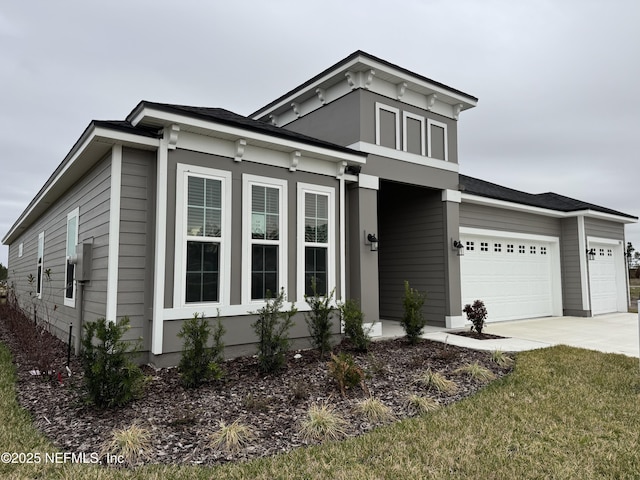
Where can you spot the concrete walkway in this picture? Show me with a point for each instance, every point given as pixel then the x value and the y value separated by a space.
pixel 612 333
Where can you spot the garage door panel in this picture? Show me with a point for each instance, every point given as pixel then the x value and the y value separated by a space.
pixel 602 279
pixel 512 276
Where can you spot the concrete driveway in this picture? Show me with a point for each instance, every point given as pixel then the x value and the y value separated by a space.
pixel 612 333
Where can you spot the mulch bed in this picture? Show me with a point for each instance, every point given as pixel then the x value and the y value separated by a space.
pixel 476 335
pixel 181 420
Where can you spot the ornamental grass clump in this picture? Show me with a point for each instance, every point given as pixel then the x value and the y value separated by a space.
pixel 476 372
pixel 233 437
pixel 133 444
pixel 501 359
pixel 434 380
pixel 374 410
pixel 419 405
pixel 322 422
pixel 413 321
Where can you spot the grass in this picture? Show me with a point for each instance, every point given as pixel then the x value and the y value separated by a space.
pixel 133 444
pixel 374 410
pixel 233 437
pixel 476 371
pixel 563 413
pixel 322 422
pixel 435 381
pixel 501 359
pixel 420 405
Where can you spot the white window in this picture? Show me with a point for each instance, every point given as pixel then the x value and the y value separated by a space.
pixel 437 144
pixel 20 249
pixel 40 265
pixel 70 271
pixel 532 250
pixel 413 133
pixel 316 237
pixel 470 246
pixel 484 246
pixel 497 247
pixel 510 248
pixel 387 126
pixel 203 230
pixel 264 217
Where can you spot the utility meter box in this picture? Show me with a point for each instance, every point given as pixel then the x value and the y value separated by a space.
pixel 84 257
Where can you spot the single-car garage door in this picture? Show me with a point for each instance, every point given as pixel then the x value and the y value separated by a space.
pixel 602 279
pixel 512 275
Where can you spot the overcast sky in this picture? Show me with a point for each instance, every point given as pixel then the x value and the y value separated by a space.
pixel 557 81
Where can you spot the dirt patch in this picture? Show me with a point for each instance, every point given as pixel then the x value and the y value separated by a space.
pixel 181 420
pixel 477 336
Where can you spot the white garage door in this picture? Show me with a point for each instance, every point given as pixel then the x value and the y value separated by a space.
pixel 514 277
pixel 602 280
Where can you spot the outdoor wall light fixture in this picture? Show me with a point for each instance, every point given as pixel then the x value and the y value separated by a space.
pixel 372 240
pixel 591 253
pixel 459 247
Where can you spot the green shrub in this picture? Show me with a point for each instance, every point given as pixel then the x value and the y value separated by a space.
pixel 272 328
pixel 476 314
pixel 111 379
pixel 319 319
pixel 413 321
pixel 199 362
pixel 346 373
pixel 353 319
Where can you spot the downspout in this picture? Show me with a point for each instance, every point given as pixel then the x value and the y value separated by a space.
pixel 80 321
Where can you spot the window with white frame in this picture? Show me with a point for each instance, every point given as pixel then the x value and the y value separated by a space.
pixel 20 249
pixel 437 140
pixel 316 251
pixel 413 133
pixel 40 265
pixel 70 271
pixel 264 237
pixel 387 126
pixel 202 234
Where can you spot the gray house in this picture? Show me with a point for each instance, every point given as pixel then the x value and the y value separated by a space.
pixel 352 178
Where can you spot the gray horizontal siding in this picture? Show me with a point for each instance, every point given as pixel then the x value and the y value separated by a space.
pixel 482 216
pixel 411 225
pixel 90 194
pixel 135 254
pixel 595 227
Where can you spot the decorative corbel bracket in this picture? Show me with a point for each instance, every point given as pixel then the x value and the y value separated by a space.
pixel 295 159
pixel 172 136
pixel 400 89
pixel 322 95
pixel 240 145
pixel 273 119
pixel 296 109
pixel 431 100
pixel 340 170
pixel 351 79
pixel 456 111
pixel 370 74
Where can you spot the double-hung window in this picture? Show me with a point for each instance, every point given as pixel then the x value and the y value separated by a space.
pixel 264 237
pixel 72 242
pixel 316 250
pixel 40 265
pixel 202 231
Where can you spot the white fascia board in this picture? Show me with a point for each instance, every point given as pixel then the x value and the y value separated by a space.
pixel 323 153
pixel 404 156
pixel 369 181
pixel 492 202
pixel 92 134
pixel 603 241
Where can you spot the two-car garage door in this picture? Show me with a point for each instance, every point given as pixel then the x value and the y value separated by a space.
pixel 516 277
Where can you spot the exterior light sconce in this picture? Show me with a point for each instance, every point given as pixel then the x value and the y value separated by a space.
pixel 371 239
pixel 459 247
pixel 591 253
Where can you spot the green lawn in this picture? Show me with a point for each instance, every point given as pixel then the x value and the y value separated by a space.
pixel 563 413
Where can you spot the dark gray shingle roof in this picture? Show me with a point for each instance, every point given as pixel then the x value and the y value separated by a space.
pixel 549 200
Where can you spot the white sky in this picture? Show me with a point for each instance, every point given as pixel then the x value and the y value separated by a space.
pixel 559 108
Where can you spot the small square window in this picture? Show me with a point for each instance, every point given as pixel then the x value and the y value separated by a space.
pixel 510 248
pixel 521 249
pixel 602 252
pixel 484 246
pixel 497 247
pixel 610 253
pixel 470 246
pixel 532 250
pixel 543 250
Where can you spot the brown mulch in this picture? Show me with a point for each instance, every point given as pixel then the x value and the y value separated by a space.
pixel 181 420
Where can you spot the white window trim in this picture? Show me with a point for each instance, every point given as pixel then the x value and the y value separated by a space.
pixel 419 118
pixel 71 302
pixel 20 249
pixel 39 264
pixel 431 122
pixel 247 182
pixel 183 172
pixel 396 112
pixel 331 233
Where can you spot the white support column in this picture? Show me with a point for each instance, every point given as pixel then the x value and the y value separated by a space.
pixel 114 234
